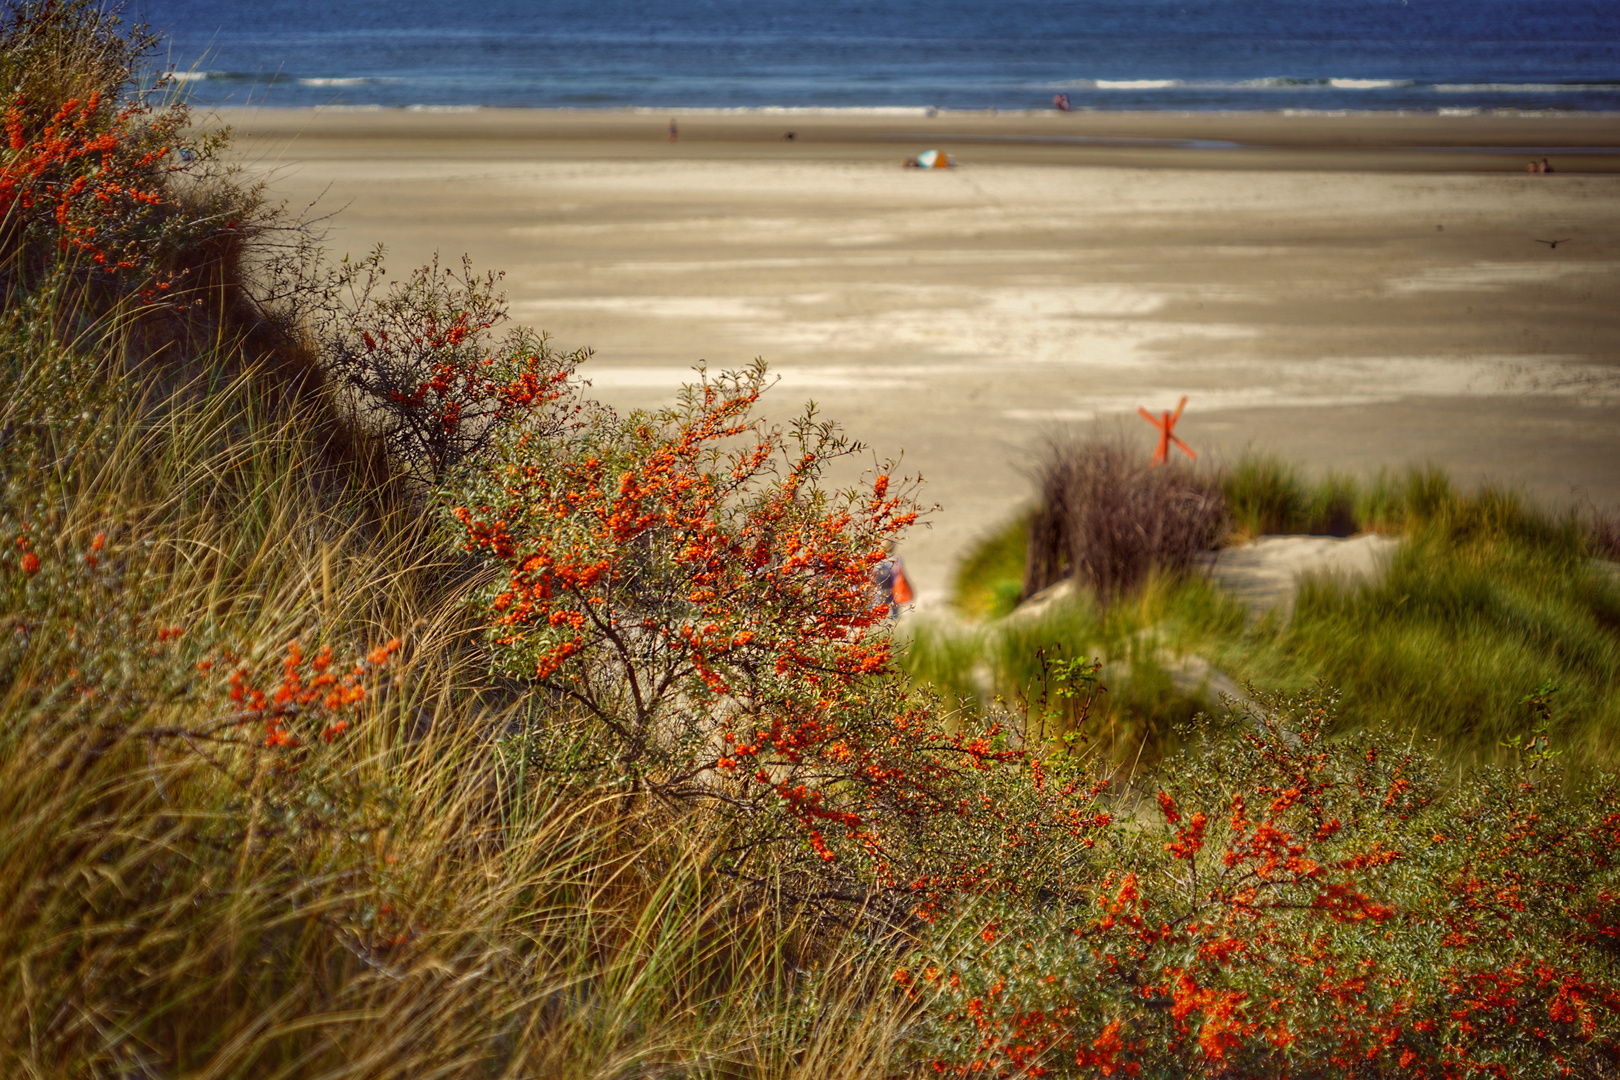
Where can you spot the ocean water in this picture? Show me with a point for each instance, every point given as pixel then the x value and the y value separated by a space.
pixel 964 54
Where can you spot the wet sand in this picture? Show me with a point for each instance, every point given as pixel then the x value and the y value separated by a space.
pixel 1349 291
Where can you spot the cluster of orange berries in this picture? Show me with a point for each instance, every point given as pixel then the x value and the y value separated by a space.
pixel 320 689
pixel 65 163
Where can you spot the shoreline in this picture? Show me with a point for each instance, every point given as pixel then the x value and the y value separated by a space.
pixel 910 110
pixel 1371 141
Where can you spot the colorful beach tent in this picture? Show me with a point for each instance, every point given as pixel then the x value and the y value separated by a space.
pixel 932 159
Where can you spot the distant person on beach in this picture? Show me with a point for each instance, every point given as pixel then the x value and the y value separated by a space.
pixel 673 131
pixel 1060 102
pixel 890 586
pixel 1546 166
pixel 1533 167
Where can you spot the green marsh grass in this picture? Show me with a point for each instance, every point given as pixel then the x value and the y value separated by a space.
pixel 1489 599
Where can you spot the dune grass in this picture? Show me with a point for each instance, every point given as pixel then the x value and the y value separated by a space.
pixel 1486 602
pixel 1489 599
pixel 410 899
pixel 989 579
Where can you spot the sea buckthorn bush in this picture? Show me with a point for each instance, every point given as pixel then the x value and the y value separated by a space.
pixel 425 371
pixel 689 583
pixel 99 175
pixel 1278 903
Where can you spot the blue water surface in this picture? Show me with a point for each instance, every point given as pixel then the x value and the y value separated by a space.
pixel 973 54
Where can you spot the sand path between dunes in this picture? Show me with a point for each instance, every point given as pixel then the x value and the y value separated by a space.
pixel 1351 318
pixel 1264 573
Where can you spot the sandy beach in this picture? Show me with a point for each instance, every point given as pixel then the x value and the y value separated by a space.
pixel 1350 291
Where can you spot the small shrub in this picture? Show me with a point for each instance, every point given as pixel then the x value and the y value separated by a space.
pixel 1108 518
pixel 93 157
pixel 685 580
pixel 420 359
pixel 688 583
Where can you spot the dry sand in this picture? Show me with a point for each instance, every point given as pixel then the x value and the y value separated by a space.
pixel 1264 573
pixel 1348 291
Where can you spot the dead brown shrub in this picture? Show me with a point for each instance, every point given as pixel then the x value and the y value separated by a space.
pixel 1108 518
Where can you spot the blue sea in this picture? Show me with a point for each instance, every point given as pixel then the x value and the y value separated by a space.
pixel 1427 55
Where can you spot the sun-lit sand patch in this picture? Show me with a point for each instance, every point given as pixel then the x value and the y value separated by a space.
pixel 844 261
pixel 795 378
pixel 657 307
pixel 1265 572
pixel 1099 326
pixel 1489 276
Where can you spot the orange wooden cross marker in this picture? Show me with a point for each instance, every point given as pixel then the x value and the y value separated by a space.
pixel 1166 423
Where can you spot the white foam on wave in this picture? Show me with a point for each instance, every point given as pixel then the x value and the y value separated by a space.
pixel 443 108
pixel 1368 84
pixel 352 80
pixel 1136 84
pixel 1273 82
pixel 186 76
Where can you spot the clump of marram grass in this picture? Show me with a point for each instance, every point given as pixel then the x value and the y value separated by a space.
pixel 1109 518
pixel 1265 495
